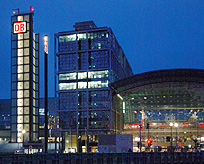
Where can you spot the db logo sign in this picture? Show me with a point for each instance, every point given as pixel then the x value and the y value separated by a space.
pixel 19 27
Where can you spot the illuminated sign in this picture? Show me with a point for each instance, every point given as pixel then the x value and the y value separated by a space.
pixel 19 27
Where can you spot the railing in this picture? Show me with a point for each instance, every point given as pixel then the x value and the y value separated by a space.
pixel 105 158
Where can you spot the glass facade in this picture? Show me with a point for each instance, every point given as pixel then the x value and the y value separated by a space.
pixel 162 97
pixel 84 71
pixel 5 113
pixel 24 82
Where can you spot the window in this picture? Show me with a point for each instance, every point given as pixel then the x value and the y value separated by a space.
pixel 82 75
pixel 98 74
pixel 67 38
pixel 98 84
pixel 67 76
pixel 81 36
pixel 82 85
pixel 67 86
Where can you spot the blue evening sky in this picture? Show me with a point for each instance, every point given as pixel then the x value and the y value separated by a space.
pixel 154 34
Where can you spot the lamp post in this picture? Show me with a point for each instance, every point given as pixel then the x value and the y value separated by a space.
pixel 176 125
pixel 23 132
pixel 140 138
pixel 171 124
pixel 46 91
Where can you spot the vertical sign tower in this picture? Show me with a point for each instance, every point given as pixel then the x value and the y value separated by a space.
pixel 24 77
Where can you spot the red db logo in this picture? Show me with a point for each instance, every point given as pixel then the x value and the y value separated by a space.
pixel 19 27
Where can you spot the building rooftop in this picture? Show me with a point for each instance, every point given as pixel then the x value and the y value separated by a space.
pixel 84 25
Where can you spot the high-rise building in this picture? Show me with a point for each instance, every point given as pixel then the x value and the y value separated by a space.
pixel 87 59
pixel 24 77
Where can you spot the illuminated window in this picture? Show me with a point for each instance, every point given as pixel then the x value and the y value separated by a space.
pixel 98 74
pixel 26 102
pixel 20 18
pixel 20 44
pixel 26 51
pixel 26 68
pixel 26 60
pixel 67 76
pixel 27 26
pixel 20 77
pixel 100 34
pixel 82 75
pixel 26 43
pixel 20 36
pixel 33 61
pixel 97 84
pixel 20 94
pixel 67 38
pixel 67 86
pixel 20 60
pixel 26 18
pixel 19 119
pixel 82 85
pixel 26 128
pixel 26 76
pixel 20 52
pixel 26 35
pixel 26 119
pixel 26 85
pixel 20 69
pixel 26 110
pixel 81 36
pixel 20 110
pixel 20 85
pixel 19 102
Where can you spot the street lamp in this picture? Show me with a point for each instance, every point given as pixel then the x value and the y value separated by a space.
pixel 176 125
pixel 46 90
pixel 171 124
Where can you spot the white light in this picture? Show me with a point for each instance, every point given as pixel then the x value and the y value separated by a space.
pixel 119 96
pixel 202 138
pixel 137 139
pixel 176 124
pixel 46 44
pixel 23 131
pixel 171 124
pixel 45 38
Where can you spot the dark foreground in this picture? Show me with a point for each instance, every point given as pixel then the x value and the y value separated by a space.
pixel 105 158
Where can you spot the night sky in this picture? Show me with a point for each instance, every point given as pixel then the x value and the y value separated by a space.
pixel 154 34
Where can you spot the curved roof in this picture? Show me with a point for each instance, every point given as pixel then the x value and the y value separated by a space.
pixel 159 76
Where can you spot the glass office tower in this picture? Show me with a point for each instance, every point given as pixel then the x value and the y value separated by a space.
pixel 86 61
pixel 24 78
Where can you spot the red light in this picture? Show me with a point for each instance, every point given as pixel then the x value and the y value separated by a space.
pixel 14 12
pixel 32 9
